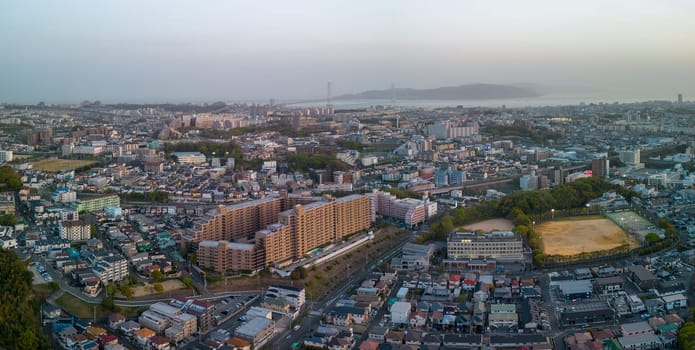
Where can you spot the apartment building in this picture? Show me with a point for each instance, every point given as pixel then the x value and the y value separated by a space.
pixel 273 243
pixel 257 331
pixel 296 297
pixel 351 216
pixel 77 230
pixel 95 202
pixel 310 223
pixel 7 203
pixel 223 256
pixel 499 245
pixel 5 156
pixel 202 310
pixel 237 221
pixel 175 323
pixel 111 269
pixel 189 157
pixel 411 211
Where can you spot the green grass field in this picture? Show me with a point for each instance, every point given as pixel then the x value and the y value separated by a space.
pixel 81 309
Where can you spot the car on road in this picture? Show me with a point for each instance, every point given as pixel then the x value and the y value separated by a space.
pixel 242 318
pixel 296 328
pixel 225 302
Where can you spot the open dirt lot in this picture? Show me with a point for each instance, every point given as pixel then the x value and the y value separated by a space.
pixel 55 165
pixel 491 225
pixel 574 236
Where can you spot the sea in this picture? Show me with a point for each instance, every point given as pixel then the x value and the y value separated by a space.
pixel 540 101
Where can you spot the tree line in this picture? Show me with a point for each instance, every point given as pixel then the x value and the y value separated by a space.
pixel 525 207
pixel 19 326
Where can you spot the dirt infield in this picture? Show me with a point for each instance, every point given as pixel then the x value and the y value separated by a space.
pixel 574 236
pixel 55 165
pixel 490 225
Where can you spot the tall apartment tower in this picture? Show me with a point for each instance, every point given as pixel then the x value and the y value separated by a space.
pixel 600 167
pixel 680 98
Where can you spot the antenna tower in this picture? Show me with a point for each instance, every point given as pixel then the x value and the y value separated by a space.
pixel 328 95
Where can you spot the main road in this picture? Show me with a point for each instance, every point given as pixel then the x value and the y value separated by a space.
pixel 315 312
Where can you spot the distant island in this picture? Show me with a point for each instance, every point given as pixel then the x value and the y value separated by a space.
pixel 463 92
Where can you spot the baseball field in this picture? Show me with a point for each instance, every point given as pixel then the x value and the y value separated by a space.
pixel 576 235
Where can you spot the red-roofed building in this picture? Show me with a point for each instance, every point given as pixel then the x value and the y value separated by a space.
pixel 107 339
pixel 159 343
pixel 454 281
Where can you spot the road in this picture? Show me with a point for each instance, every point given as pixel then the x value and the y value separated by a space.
pixel 316 311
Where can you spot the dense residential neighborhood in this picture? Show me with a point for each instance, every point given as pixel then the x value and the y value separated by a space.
pixel 266 226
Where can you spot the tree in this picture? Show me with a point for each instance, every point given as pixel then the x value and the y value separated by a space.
pixel 298 273
pixel 187 282
pixel 652 238
pixel 19 326
pixel 157 275
pixel 158 287
pixel 127 291
pixel 108 303
pixel 9 179
pixel 111 290
pixel 8 220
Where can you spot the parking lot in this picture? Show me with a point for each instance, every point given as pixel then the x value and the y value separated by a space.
pixel 40 274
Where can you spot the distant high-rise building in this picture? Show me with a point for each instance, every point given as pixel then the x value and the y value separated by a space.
pixel 630 157
pixel 600 167
pixel 556 175
pixel 680 98
pixel 529 182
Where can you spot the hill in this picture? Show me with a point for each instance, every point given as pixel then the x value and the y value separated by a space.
pixel 462 92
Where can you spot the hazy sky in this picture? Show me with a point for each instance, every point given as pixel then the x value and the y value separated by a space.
pixel 122 50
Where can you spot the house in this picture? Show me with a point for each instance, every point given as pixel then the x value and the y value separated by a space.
pixel 116 320
pixel 418 319
pixel 669 288
pixel 395 337
pixel 432 339
pixel 587 313
pixel 130 327
pixel 642 277
pixel 644 341
pixel 436 318
pixel 503 316
pixel 369 345
pixel 674 301
pixel 378 334
pixel 142 337
pixel 159 343
pixel 655 307
pixel 107 339
pixel 413 337
pixel 519 341
pixel 400 312
pixel 238 343
pixel 467 341
pixel 609 285
pixel 50 311
pixel 635 328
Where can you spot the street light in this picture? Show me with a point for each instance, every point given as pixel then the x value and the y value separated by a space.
pixel 552 212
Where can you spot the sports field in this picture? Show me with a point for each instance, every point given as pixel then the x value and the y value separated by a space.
pixel 56 165
pixel 573 236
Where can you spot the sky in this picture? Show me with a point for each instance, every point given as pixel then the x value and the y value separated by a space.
pixel 202 51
